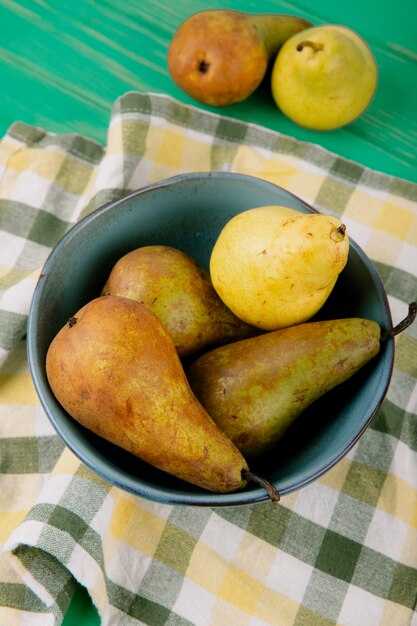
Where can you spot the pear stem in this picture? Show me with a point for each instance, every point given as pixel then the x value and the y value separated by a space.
pixel 311 44
pixel 269 487
pixel 339 233
pixel 405 323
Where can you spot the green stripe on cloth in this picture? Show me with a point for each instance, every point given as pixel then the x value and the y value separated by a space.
pixel 35 224
pixel 19 596
pixel 28 455
pixel 55 578
pixel 140 608
pixel 397 282
pixel 12 328
pixel 74 144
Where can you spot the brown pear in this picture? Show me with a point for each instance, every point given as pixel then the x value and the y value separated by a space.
pixel 254 389
pixel 114 369
pixel 220 57
pixel 179 292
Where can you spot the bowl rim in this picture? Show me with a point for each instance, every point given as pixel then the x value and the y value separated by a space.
pixel 157 494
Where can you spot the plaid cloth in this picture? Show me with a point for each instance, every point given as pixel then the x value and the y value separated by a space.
pixel 342 551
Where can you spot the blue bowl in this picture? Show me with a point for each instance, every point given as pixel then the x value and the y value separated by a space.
pixel 188 212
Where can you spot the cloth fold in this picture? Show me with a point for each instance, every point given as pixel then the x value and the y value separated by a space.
pixel 342 551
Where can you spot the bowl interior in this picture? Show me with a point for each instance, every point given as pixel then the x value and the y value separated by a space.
pixel 188 212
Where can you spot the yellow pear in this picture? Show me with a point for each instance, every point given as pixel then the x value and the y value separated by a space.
pixel 274 266
pixel 324 77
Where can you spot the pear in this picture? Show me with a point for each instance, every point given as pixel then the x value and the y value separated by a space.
pixel 324 77
pixel 115 370
pixel 274 266
pixel 179 292
pixel 254 389
pixel 219 57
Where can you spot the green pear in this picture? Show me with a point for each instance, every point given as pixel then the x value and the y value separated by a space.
pixel 115 370
pixel 274 266
pixel 254 389
pixel 324 77
pixel 220 57
pixel 179 292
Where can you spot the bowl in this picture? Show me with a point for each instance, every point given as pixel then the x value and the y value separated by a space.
pixel 188 212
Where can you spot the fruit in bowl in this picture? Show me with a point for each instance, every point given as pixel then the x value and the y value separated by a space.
pixel 115 369
pixel 188 213
pixel 179 291
pixel 274 266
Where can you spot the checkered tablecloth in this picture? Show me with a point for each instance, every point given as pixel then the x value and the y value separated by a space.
pixel 342 551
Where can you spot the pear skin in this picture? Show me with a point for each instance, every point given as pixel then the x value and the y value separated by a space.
pixel 325 77
pixel 115 370
pixel 254 389
pixel 220 57
pixel 179 292
pixel 274 266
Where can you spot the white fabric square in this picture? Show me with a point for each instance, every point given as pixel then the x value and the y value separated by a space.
pixel 110 173
pixel 386 534
pixel 34 619
pixel 27 533
pixel 10 248
pixel 289 576
pixel 407 259
pixel 127 566
pixel 31 189
pixel 101 520
pixel 17 299
pixel 55 488
pixel 43 425
pixel 317 503
pixel 404 464
pixel 84 567
pixel 194 604
pixel 222 536
pixel 398 308
pixel 360 607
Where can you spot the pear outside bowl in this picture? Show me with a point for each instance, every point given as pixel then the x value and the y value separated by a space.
pixel 188 212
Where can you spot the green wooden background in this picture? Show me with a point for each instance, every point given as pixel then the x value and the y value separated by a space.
pixel 64 62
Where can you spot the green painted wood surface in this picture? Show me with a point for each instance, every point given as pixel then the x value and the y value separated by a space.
pixel 64 62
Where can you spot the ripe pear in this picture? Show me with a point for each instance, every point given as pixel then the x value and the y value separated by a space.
pixel 324 77
pixel 114 369
pixel 254 389
pixel 179 292
pixel 274 266
pixel 219 57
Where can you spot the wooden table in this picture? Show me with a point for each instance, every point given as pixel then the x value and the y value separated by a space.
pixel 62 65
